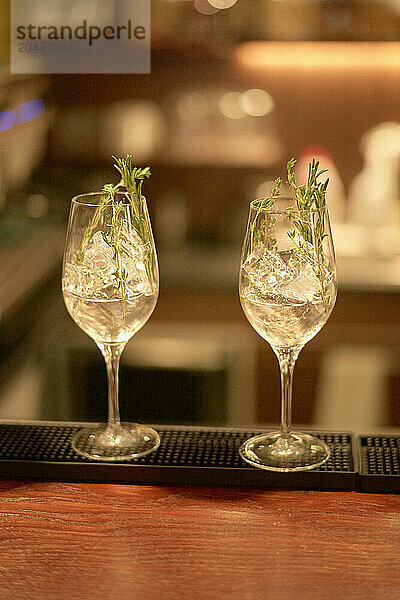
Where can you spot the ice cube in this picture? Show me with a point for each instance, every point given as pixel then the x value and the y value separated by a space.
pixel 95 276
pixel 132 244
pixel 98 254
pixel 305 285
pixel 71 280
pixel 137 280
pixel 265 297
pixel 313 274
pixel 266 268
pixel 80 280
pixel 254 261
pixel 296 260
pixel 300 257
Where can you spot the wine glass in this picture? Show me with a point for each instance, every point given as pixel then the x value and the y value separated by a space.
pixel 287 290
pixel 110 286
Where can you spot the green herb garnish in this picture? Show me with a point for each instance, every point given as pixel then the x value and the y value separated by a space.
pixel 130 185
pixel 266 226
pixel 307 215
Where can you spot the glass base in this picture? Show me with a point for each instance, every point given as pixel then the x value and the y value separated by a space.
pixel 298 452
pixel 121 442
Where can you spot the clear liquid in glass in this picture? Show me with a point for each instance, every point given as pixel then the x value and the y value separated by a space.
pixel 110 321
pixel 283 298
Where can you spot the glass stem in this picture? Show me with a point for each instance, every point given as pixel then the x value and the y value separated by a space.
pixel 112 354
pixel 287 358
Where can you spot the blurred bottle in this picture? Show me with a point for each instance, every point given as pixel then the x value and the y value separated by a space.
pixel 374 193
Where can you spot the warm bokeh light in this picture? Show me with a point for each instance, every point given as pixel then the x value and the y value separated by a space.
pixel 133 126
pixel 381 143
pixel 192 105
pixel 204 8
pixel 230 105
pixel 257 103
pixel 222 3
pixel 318 54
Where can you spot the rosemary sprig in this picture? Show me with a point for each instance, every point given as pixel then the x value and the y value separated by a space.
pixel 113 238
pixel 266 226
pixel 308 216
pixel 132 179
pixel 130 185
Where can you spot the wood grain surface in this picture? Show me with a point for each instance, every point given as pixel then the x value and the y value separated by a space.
pixel 95 541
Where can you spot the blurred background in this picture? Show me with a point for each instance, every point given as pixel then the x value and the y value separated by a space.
pixel 236 88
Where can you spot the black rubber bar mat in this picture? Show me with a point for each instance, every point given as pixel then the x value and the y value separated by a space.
pixel 379 463
pixel 186 456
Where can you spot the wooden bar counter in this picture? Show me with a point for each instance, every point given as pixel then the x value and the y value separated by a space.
pixel 102 541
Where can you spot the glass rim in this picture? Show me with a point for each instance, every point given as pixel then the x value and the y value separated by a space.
pixel 78 199
pixel 273 211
